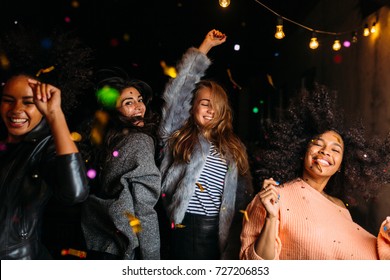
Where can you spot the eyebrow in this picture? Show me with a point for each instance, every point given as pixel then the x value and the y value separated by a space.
pixel 10 96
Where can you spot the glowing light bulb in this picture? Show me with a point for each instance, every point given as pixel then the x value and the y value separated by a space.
pixel 279 34
pixel 224 3
pixel 336 45
pixel 366 31
pixel 313 42
pixel 373 28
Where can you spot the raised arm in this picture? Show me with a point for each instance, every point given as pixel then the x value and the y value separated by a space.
pixel 47 98
pixel 212 39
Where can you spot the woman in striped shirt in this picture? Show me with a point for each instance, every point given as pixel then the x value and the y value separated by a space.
pixel 205 172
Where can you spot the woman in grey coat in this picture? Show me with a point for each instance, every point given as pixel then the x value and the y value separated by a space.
pixel 119 220
pixel 205 172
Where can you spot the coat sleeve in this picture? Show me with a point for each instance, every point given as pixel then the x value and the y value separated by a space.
pixel 177 95
pixel 69 178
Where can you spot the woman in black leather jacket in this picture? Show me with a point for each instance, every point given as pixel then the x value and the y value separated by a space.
pixel 38 158
pixel 34 164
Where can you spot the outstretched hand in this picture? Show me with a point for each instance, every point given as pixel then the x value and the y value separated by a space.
pixel 212 39
pixel 47 98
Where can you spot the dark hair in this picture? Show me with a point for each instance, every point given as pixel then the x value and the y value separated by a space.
pixel 314 112
pixel 57 58
pixel 117 126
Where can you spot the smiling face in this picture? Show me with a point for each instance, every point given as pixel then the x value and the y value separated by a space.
pixel 202 109
pixel 130 104
pixel 18 111
pixel 324 155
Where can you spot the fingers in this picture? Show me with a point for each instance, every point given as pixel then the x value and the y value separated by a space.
pixel 270 192
pixel 269 182
pixel 42 91
pixel 216 35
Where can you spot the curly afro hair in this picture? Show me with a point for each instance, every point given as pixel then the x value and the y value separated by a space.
pixel 313 112
pixel 58 58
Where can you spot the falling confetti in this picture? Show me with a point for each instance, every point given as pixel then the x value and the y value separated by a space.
pixel 76 137
pixel 134 222
pixel 245 215
pixel 73 252
pixel 170 71
pixel 107 96
pixel 91 173
pixel 200 187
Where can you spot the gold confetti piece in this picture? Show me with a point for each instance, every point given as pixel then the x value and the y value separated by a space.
pixel 180 226
pixel 74 252
pixel 76 137
pixel 200 186
pixel 134 222
pixel 245 215
pixel 46 70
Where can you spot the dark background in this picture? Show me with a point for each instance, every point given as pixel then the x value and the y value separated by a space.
pixel 138 35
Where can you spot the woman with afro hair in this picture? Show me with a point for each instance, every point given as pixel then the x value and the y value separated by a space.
pixel 38 158
pixel 309 165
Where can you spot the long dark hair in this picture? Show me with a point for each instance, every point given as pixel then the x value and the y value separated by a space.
pixel 110 125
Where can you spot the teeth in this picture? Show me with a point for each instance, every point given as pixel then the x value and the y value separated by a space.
pixel 18 120
pixel 323 162
pixel 208 118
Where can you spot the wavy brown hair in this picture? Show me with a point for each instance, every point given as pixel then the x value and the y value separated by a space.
pixel 219 130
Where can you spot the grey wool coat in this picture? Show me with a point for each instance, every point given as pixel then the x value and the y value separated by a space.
pixel 178 179
pixel 106 222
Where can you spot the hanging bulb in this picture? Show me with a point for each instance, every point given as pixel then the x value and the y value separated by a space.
pixel 313 41
pixel 224 3
pixel 366 31
pixel 336 45
pixel 279 34
pixel 373 28
pixel 354 37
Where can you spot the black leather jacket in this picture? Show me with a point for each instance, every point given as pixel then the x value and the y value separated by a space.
pixel 30 173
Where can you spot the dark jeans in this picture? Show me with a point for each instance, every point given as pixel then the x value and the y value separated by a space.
pixel 197 240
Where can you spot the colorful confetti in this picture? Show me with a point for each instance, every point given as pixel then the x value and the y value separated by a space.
pixel 200 187
pixel 245 215
pixel 134 222
pixel 73 252
pixel 107 96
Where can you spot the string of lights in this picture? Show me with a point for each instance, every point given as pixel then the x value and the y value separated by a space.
pixel 314 43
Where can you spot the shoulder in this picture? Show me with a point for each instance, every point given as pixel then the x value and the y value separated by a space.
pixel 138 138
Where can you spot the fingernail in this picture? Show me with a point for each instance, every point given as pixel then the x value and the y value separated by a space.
pixel 278 196
pixel 277 183
pixel 385 228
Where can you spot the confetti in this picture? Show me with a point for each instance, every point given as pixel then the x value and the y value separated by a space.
pixel 245 215
pixel 107 96
pixel 180 226
pixel 76 137
pixel 73 252
pixel 133 222
pixel 115 153
pixel 91 173
pixel 200 186
pixel 46 70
